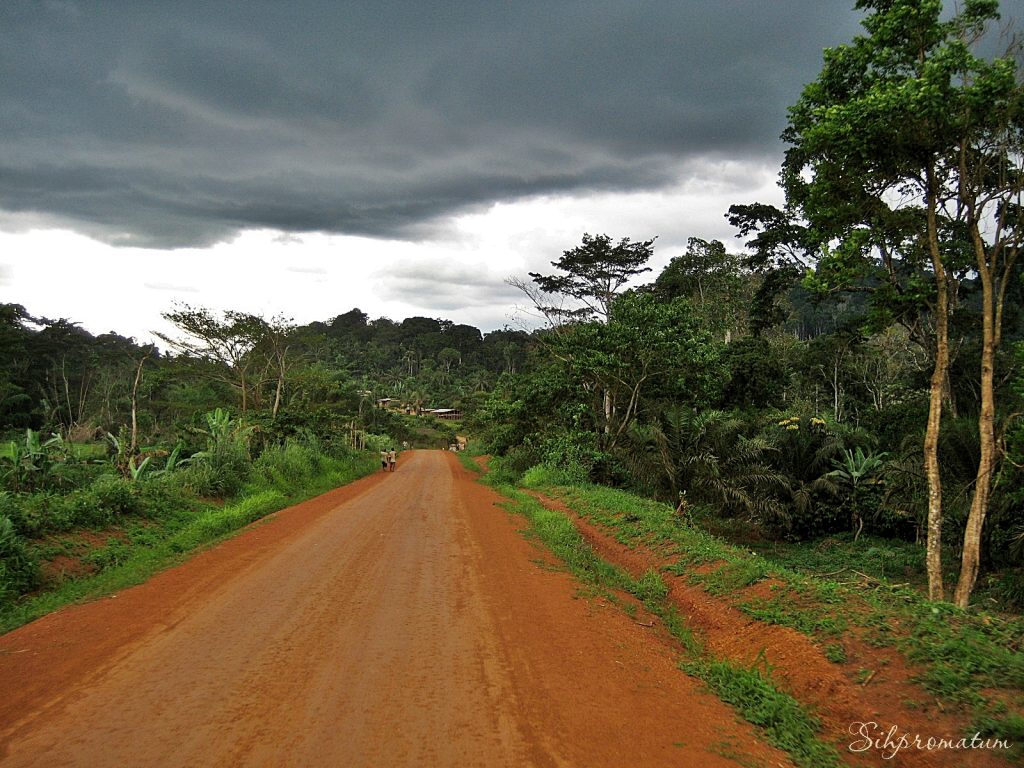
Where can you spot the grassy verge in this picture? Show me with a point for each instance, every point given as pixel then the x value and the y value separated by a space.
pixel 145 549
pixel 969 659
pixel 784 722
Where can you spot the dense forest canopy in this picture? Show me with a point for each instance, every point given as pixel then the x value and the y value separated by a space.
pixel 56 376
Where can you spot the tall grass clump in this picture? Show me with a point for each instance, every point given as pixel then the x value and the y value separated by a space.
pixel 214 523
pixel 288 466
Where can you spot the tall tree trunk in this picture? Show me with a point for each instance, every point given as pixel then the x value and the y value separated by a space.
pixel 133 447
pixel 279 391
pixel 991 332
pixel 935 398
pixel 986 438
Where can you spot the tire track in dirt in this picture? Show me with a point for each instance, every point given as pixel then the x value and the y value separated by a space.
pixel 402 620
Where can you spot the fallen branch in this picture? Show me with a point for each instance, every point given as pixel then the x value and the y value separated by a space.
pixel 830 573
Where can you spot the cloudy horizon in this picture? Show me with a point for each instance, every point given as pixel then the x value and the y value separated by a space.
pixel 403 158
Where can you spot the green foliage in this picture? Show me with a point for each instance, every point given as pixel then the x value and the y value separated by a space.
pixel 647 347
pixel 288 466
pixel 115 553
pixel 560 535
pixel 835 653
pixel 859 474
pixel 222 468
pixel 963 655
pixel 733 576
pixel 787 724
pixel 176 522
pixel 18 571
pixel 118 495
pixel 781 610
pixel 756 375
pixel 567 458
pixel 33 463
pixel 803 451
pixel 714 281
pixel 593 274
pixel 700 457
pixel 215 523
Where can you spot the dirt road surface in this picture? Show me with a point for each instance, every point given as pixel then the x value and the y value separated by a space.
pixel 403 620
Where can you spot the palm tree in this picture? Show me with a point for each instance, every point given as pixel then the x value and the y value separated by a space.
pixel 803 451
pixel 704 455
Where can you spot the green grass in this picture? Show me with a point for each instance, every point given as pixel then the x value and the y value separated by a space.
pixel 467 460
pixel 155 547
pixel 784 721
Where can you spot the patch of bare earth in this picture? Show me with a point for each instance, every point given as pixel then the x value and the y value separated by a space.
pixel 72 562
pixel 798 665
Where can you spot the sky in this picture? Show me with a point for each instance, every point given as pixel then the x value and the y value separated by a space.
pixel 405 157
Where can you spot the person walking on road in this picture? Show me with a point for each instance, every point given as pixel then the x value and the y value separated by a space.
pixel 392 459
pixel 383 460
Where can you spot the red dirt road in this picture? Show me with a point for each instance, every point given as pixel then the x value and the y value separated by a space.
pixel 400 621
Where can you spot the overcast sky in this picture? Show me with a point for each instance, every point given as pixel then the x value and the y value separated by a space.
pixel 307 157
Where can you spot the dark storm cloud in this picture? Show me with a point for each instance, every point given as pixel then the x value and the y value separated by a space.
pixel 178 123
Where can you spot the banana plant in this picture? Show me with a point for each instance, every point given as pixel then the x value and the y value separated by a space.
pixel 136 472
pixel 172 462
pixel 32 461
pixel 856 470
pixel 120 456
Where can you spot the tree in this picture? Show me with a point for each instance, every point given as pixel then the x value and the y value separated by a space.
pixel 780 251
pixel 714 280
pixel 447 358
pixel 224 343
pixel 594 274
pixel 16 405
pixel 645 344
pixel 275 340
pixel 906 153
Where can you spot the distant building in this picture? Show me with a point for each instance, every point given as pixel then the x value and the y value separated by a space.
pixel 449 414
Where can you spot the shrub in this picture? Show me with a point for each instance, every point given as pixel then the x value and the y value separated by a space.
pixel 572 454
pixel 543 474
pixel 202 480
pixel 78 509
pixel 378 443
pixel 17 569
pixel 162 495
pixel 115 494
pixel 287 466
